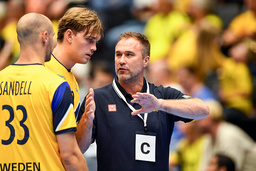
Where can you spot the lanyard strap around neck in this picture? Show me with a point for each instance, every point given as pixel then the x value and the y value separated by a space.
pixel 120 94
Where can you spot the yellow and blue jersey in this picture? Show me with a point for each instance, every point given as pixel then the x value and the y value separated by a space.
pixel 35 105
pixel 55 66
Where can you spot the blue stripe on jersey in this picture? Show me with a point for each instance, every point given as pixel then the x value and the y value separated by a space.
pixel 58 95
pixel 61 103
pixel 76 110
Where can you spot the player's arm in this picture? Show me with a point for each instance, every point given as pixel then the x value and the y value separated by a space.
pixel 191 108
pixel 70 154
pixel 64 123
pixel 85 125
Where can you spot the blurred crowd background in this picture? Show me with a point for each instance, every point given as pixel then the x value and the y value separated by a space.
pixel 205 48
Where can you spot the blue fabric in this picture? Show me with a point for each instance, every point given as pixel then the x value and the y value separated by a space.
pixel 60 104
pixel 114 131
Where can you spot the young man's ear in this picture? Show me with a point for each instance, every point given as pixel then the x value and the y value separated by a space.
pixel 69 35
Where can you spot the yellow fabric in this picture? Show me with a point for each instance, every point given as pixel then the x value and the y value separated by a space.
pixel 9 34
pixel 56 67
pixel 182 5
pixel 188 155
pixel 244 24
pixel 214 20
pixel 184 51
pixel 235 79
pixel 36 91
pixel 162 30
pixel 55 28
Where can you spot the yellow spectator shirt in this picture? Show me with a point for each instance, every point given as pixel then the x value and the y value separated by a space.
pixel 161 30
pixel 235 80
pixel 244 24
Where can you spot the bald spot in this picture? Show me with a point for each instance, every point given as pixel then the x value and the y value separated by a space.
pixel 30 26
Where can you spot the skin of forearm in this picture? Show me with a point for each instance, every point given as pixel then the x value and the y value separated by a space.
pixel 187 108
pixel 84 133
pixel 70 154
pixel 75 162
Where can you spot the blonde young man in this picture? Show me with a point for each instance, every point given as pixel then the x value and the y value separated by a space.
pixel 37 119
pixel 78 32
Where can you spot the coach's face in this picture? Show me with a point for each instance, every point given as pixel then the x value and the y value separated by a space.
pixel 129 62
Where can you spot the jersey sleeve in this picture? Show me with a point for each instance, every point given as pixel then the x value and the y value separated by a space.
pixel 63 110
pixel 81 110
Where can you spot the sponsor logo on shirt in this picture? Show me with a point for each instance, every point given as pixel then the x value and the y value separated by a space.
pixel 112 107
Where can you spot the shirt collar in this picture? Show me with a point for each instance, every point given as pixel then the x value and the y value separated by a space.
pixel 144 88
pixel 69 70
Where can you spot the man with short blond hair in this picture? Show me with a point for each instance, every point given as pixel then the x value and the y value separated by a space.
pixel 37 120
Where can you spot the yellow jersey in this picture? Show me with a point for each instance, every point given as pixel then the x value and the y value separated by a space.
pixel 55 66
pixel 35 105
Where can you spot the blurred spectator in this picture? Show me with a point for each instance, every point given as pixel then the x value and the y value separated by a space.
pixel 141 11
pixel 236 89
pixel 220 162
pixel 225 76
pixel 244 51
pixel 209 55
pixel 228 9
pixel 189 153
pixel 227 139
pixel 39 6
pixel 112 12
pixel 15 9
pixel 5 53
pixel 53 9
pixel 95 75
pixel 237 81
pixel 239 28
pixel 159 74
pixel 232 80
pixel 192 85
pixel 182 5
pixel 101 74
pixel 3 13
pixel 5 46
pixel 184 50
pixel 163 28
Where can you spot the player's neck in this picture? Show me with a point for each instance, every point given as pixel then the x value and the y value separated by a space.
pixel 62 56
pixel 27 56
